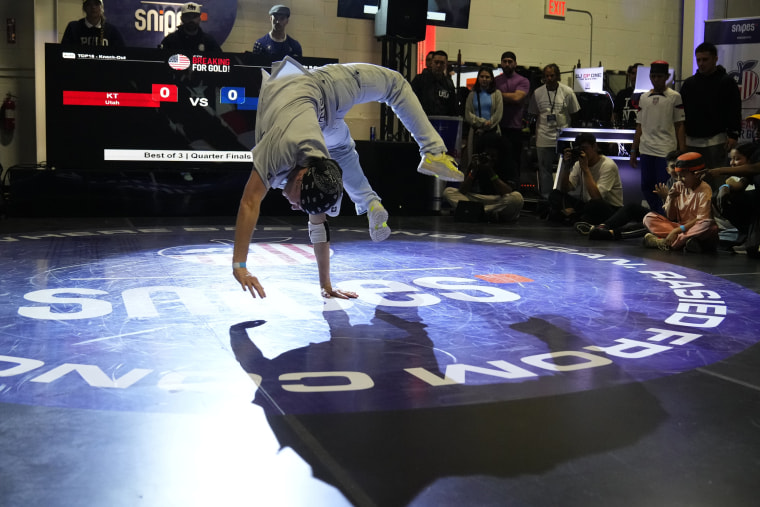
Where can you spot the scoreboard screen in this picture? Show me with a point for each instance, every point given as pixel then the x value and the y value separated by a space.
pixel 145 108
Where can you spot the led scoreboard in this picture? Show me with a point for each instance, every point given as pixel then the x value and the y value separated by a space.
pixel 144 108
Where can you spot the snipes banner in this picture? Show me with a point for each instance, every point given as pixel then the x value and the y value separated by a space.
pixel 144 23
pixel 738 43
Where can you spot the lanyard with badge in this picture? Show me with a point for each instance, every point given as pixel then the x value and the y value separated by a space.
pixel 551 118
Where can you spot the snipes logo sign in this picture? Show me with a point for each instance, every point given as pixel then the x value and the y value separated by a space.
pixel 144 23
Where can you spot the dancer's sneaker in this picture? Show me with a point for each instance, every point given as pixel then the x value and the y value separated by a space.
pixel 441 166
pixel 378 217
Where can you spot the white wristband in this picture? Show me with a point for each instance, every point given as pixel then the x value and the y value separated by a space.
pixel 319 233
pixel 238 265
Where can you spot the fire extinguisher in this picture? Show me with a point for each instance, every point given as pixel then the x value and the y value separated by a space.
pixel 11 32
pixel 9 113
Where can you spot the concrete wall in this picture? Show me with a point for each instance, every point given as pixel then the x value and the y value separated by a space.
pixel 17 73
pixel 623 32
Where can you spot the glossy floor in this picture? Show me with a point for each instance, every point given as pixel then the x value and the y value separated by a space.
pixel 482 364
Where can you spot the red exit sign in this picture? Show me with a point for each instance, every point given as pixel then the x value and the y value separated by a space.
pixel 554 9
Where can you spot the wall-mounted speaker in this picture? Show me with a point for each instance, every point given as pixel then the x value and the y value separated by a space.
pixel 401 19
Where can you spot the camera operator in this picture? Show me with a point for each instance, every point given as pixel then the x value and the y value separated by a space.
pixel 589 188
pixel 501 202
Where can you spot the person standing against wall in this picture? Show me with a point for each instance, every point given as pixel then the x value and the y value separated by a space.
pixel 277 44
pixel 712 104
pixel 190 36
pixel 92 30
pixel 514 89
pixel 659 131
pixel 553 103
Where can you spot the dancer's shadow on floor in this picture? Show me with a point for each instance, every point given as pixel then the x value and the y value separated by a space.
pixel 388 457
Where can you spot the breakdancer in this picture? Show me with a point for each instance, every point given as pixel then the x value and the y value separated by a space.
pixel 304 147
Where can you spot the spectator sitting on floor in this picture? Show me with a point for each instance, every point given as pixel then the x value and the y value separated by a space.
pixel 688 205
pixel 482 184
pixel 595 182
pixel 627 221
pixel 731 200
pixel 743 207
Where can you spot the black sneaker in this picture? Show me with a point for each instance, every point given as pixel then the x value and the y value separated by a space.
pixel 598 233
pixel 583 227
pixel 693 246
pixel 633 232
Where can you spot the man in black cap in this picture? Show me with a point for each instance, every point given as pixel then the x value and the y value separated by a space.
pixel 659 131
pixel 189 36
pixel 304 147
pixel 514 92
pixel 276 45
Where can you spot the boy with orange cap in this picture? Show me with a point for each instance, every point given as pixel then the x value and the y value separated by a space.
pixel 688 223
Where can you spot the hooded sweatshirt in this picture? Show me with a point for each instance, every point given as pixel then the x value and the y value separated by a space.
pixel 712 104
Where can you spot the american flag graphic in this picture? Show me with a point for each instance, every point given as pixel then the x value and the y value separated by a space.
pixel 179 62
pixel 261 255
pixel 749 84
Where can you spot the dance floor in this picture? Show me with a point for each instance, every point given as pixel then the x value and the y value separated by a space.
pixel 482 364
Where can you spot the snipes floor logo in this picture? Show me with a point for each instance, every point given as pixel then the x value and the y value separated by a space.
pixel 145 23
pixel 153 320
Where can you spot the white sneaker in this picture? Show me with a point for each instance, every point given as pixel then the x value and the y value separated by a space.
pixel 378 216
pixel 441 166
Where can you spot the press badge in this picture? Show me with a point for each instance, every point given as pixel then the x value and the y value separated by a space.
pixel 551 120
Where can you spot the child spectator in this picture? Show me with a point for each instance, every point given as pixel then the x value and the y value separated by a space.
pixel 688 223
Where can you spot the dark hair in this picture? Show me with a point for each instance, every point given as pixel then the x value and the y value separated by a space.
pixel 585 137
pixel 508 54
pixel 707 47
pixel 476 87
pixel 430 54
pixel 632 68
pixel 441 53
pixel 554 67
pixel 747 149
pixel 673 156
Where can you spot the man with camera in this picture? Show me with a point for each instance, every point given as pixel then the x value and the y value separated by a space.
pixel 589 188
pixel 499 201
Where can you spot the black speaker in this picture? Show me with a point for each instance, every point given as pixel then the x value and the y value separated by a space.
pixel 401 19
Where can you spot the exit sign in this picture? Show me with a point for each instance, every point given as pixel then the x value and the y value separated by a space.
pixel 554 9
